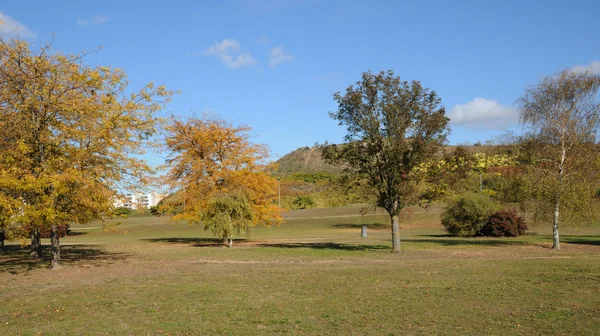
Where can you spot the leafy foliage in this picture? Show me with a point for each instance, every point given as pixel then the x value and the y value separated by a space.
pixel 311 177
pixel 227 213
pixel 466 215
pixel 70 133
pixel 504 223
pixel 45 232
pixel 444 176
pixel 392 127
pixel 122 211
pixel 562 113
pixel 303 202
pixel 155 211
pixel 215 167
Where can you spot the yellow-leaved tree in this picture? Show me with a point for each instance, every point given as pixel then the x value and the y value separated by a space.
pixel 70 135
pixel 222 177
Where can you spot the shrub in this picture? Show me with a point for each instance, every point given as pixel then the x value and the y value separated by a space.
pixel 504 223
pixel 303 202
pixel 63 230
pixel 122 211
pixel 155 211
pixel 45 232
pixel 466 215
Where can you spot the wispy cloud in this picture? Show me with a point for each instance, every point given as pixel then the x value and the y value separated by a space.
pixel 593 67
pixel 95 20
pixel 228 51
pixel 278 56
pixel 482 113
pixel 10 26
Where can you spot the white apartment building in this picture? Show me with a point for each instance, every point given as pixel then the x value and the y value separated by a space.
pixel 139 200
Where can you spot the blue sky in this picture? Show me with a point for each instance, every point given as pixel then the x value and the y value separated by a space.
pixel 274 64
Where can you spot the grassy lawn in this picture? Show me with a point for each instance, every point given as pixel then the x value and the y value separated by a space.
pixel 313 275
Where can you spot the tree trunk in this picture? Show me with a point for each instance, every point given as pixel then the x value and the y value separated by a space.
pixel 36 244
pixel 561 169
pixel 2 237
pixel 230 242
pixel 555 240
pixel 55 242
pixel 395 235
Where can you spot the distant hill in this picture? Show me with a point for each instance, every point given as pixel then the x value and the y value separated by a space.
pixel 305 160
pixel 309 160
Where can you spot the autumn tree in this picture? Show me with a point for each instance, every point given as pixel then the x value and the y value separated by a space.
pixel 562 113
pixel 393 126
pixel 222 176
pixel 9 208
pixel 69 137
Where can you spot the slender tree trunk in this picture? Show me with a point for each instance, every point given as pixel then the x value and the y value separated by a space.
pixel 561 167
pixel 36 243
pixel 395 234
pixel 2 237
pixel 555 239
pixel 230 242
pixel 55 242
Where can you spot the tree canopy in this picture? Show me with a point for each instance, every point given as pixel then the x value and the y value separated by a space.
pixel 562 113
pixel 69 135
pixel 223 177
pixel 393 126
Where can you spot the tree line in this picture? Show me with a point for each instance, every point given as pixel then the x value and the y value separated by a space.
pixel 72 135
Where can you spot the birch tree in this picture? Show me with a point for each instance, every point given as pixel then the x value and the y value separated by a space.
pixel 562 113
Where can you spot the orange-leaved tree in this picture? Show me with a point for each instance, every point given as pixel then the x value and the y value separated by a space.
pixel 70 133
pixel 223 178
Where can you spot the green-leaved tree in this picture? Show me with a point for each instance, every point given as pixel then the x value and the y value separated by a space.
pixel 393 126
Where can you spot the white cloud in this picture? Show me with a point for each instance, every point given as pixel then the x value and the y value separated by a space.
pixel 95 20
pixel 10 26
pixel 482 113
pixel 278 56
pixel 593 68
pixel 228 51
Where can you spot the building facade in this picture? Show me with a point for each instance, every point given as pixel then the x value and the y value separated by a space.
pixel 139 200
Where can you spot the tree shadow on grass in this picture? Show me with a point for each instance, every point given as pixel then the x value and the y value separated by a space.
pixel 329 246
pixel 583 240
pixel 372 226
pixel 76 233
pixel 195 242
pixel 447 240
pixel 15 259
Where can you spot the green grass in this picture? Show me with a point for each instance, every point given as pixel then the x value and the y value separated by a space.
pixel 313 275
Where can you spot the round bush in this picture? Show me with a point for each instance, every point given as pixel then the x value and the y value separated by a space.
pixel 466 215
pixel 303 202
pixel 505 223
